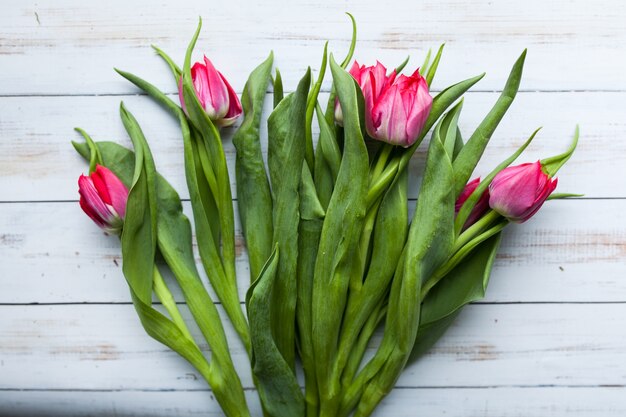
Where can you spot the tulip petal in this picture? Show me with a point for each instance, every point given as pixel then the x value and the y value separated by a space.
pixel 98 177
pixel 392 117
pixel 218 91
pixel 234 105
pixel 201 86
pixel 518 192
pixel 115 188
pixel 90 212
pixel 91 202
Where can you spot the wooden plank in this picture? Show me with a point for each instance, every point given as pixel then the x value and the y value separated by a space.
pixel 38 163
pixel 102 347
pixel 450 402
pixel 78 43
pixel 563 254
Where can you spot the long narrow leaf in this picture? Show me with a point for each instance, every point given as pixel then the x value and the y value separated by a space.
pixel 254 197
pixel 341 231
pixel 287 138
pixel 471 153
pixel 139 233
pixel 278 388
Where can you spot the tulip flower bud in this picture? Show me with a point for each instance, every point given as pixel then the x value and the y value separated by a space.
pixel 479 209
pixel 396 108
pixel 217 97
pixel 372 81
pixel 518 192
pixel 103 198
pixel 398 114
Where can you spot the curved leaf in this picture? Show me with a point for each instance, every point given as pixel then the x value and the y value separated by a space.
pixel 464 284
pixel 254 197
pixel 277 385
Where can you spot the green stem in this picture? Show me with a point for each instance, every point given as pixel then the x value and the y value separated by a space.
pixel 474 230
pixel 356 281
pixel 165 296
pixel 443 270
pixel 353 388
pixel 381 161
pixel 382 182
pixel 205 164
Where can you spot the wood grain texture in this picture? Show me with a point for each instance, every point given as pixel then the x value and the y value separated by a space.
pixel 449 402
pixel 548 340
pixel 550 258
pixel 102 347
pixel 568 40
pixel 38 163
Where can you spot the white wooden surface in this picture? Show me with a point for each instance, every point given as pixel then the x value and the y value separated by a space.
pixel 548 340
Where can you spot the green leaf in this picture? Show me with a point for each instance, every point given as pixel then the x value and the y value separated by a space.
pixel 448 128
pixel 253 190
pixel 286 142
pixel 277 386
pixel 310 107
pixel 388 241
pixel 139 232
pixel 553 164
pixel 278 88
pixel 424 67
pixel 207 148
pixel 340 236
pixel 153 92
pixel 327 160
pixel 473 150
pixel 95 158
pixel 165 331
pixel 560 196
pixel 174 241
pixel 330 107
pixel 432 70
pixel 346 60
pixel 176 71
pixel 403 64
pixel 464 284
pixel 311 220
pixel 458 144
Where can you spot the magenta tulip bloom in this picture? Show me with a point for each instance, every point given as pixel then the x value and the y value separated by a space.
pixel 372 80
pixel 518 192
pixel 396 108
pixel 217 97
pixel 398 114
pixel 481 205
pixel 103 198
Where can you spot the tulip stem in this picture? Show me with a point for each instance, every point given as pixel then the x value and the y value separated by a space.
pixel 381 161
pixel 165 296
pixel 474 230
pixel 458 256
pixel 380 183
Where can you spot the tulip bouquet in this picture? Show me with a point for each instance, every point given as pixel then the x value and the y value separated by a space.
pixel 334 256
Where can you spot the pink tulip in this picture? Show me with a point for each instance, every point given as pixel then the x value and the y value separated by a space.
pixel 518 192
pixel 396 108
pixel 481 205
pixel 103 198
pixel 363 75
pixel 217 97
